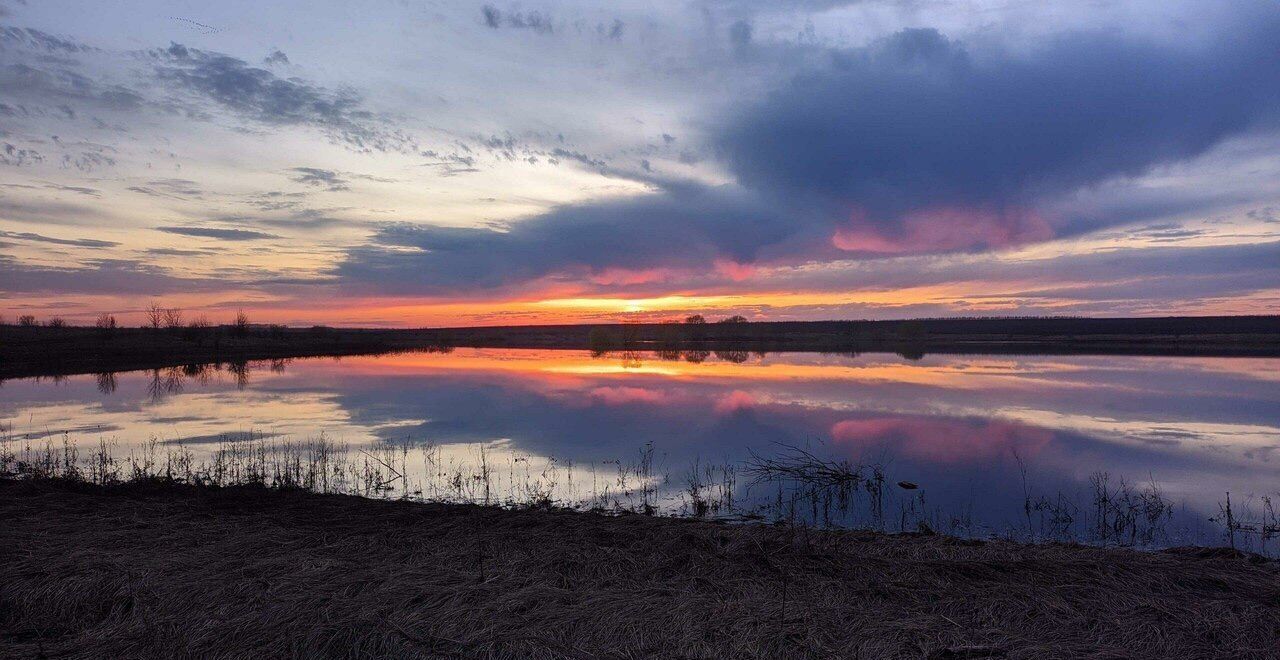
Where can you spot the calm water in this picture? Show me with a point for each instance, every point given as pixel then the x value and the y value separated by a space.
pixel 964 429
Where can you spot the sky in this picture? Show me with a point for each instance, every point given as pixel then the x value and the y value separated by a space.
pixel 421 163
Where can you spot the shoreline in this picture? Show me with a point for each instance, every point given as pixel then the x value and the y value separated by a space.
pixel 153 569
pixel 42 351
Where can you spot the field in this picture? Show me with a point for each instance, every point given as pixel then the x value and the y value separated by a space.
pixel 156 569
pixel 43 351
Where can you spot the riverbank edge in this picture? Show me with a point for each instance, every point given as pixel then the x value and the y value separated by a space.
pixel 153 567
pixel 47 351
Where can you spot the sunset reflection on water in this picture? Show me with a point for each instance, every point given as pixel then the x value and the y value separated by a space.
pixel 962 427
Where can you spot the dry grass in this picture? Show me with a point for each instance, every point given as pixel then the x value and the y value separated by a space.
pixel 159 570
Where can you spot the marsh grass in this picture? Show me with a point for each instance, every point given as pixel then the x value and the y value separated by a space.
pixel 791 485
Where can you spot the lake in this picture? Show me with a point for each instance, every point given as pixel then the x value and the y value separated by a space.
pixel 1140 450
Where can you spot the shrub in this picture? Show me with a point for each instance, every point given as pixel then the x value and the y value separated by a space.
pixel 240 326
pixel 106 325
pixel 600 340
pixel 198 327
pixel 57 322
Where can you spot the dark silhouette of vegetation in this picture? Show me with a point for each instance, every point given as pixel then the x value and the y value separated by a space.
pixel 695 319
pixel 28 350
pixel 240 326
pixel 155 316
pixel 173 318
pixel 57 322
pixel 106 325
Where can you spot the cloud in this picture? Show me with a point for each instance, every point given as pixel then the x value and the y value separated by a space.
pixel 276 58
pixel 44 212
pixel 914 144
pixel 319 178
pixel 218 233
pixel 178 252
pixel 687 228
pixel 12 154
pixel 76 242
pixel 79 190
pixel 59 83
pixel 1156 274
pixel 533 20
pixel 102 276
pixel 171 188
pixel 32 39
pixel 260 95
pixel 918 132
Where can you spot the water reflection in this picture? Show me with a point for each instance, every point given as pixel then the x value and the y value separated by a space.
pixel 984 438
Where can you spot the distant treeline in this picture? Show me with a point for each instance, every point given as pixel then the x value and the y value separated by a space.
pixel 33 349
pixel 1246 334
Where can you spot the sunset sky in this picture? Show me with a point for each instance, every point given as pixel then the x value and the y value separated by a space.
pixel 458 163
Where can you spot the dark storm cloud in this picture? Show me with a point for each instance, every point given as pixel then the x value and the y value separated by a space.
pixel 917 120
pixel 219 233
pixel 939 148
pixel 260 95
pixel 686 228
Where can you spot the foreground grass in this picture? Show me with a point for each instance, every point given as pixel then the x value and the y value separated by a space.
pixel 160 570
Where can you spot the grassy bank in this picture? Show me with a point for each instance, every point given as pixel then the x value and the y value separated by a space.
pixel 161 570
pixel 46 351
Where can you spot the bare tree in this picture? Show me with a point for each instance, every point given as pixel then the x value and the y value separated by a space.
pixel 695 319
pixel 173 318
pixel 155 315
pixel 241 325
pixel 26 320
pixel 57 322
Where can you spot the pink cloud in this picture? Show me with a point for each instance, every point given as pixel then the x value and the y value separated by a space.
pixel 623 276
pixel 618 396
pixel 944 228
pixel 734 270
pixel 946 440
pixel 735 401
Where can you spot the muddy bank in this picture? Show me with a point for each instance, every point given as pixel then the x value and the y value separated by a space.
pixel 155 570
